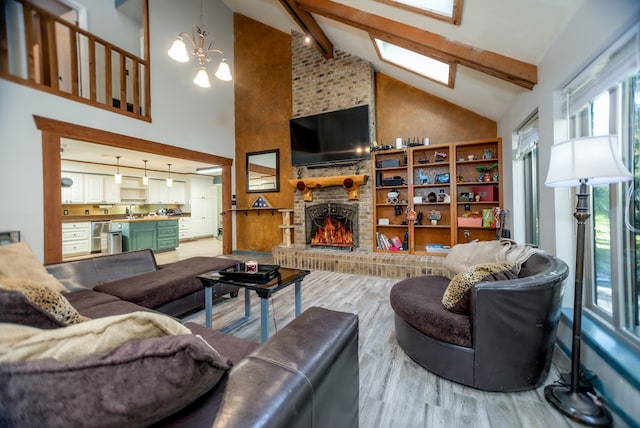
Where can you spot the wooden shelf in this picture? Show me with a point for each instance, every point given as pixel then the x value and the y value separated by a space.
pixel 351 183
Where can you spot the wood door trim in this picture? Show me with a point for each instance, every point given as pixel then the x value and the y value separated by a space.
pixel 53 130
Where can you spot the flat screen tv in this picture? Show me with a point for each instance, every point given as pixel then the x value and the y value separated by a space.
pixel 337 136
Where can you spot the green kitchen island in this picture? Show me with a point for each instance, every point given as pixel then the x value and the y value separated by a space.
pixel 156 232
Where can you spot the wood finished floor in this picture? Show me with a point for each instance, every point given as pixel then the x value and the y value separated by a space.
pixel 394 390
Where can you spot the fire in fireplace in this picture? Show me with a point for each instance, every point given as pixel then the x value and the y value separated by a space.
pixel 332 225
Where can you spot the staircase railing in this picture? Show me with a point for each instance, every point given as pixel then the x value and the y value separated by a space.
pixel 40 50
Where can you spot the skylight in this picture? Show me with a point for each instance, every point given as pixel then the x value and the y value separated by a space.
pixel 448 10
pixel 423 65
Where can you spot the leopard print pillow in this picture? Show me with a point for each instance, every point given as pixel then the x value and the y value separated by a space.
pixel 456 297
pixel 44 297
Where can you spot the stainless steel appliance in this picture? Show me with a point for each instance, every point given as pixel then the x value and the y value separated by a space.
pixel 112 242
pixel 97 229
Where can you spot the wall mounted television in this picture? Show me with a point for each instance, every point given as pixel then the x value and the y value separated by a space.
pixel 334 137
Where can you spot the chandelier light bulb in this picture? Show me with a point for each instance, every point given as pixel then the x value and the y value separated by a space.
pixel 118 177
pixel 178 51
pixel 145 179
pixel 224 71
pixel 169 180
pixel 202 78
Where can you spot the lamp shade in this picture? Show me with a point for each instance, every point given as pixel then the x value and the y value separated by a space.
pixel 224 71
pixel 593 158
pixel 178 51
pixel 202 78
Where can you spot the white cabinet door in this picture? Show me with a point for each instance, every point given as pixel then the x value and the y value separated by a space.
pixel 158 192
pixel 203 217
pixel 93 188
pixel 75 193
pixel 202 187
pixel 178 193
pixel 76 238
pixel 111 193
pixel 184 228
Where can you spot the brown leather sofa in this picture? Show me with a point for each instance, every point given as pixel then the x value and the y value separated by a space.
pixel 135 277
pixel 307 374
pixel 507 341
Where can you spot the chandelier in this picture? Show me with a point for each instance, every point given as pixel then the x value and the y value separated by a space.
pixel 178 52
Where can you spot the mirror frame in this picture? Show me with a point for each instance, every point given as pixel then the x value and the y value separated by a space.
pixel 277 173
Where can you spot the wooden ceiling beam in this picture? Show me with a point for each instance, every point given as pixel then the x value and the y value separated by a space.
pixel 502 67
pixel 310 27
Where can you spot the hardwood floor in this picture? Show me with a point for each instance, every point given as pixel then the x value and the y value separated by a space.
pixel 394 390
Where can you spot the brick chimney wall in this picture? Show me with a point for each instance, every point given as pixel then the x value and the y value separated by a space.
pixel 321 85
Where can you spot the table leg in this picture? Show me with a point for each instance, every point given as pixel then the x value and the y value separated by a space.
pixel 208 306
pixel 298 297
pixel 264 319
pixel 247 303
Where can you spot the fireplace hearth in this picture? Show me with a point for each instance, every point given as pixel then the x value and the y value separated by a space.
pixel 332 225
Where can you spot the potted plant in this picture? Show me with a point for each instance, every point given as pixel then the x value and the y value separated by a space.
pixel 485 171
pixel 434 216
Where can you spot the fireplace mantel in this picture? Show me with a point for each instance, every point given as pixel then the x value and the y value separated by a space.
pixel 351 183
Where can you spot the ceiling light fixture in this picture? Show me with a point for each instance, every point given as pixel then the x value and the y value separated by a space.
pixel 145 179
pixel 178 52
pixel 169 180
pixel 118 176
pixel 209 170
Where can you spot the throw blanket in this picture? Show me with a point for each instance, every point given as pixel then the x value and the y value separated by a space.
pixel 463 256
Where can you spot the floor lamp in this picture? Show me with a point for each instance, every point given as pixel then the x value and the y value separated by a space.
pixel 578 162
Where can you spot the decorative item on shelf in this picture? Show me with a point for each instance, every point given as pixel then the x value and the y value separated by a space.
pixel 419 217
pixel 431 197
pixel 496 176
pixel 470 219
pixel 434 216
pixel 485 171
pixel 577 163
pixel 491 217
pixel 261 202
pixel 441 156
pixel 442 178
pixel 470 157
pixel 178 52
pixel 392 197
pixel 459 179
pixel 423 178
pixel 397 210
pixel 487 154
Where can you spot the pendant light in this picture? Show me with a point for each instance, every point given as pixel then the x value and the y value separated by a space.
pixel 118 176
pixel 169 180
pixel 145 179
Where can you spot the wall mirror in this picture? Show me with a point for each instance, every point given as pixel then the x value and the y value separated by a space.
pixel 263 173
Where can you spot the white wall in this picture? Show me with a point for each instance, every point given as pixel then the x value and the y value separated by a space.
pixel 591 30
pixel 183 114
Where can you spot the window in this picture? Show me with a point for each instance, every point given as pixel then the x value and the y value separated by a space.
pixel 527 154
pixel 605 99
pixel 446 10
pixel 431 68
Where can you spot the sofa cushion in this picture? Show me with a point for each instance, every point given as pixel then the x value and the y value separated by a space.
pixel 418 302
pixel 52 302
pixel 16 308
pixel 18 261
pixel 457 296
pixel 135 384
pixel 21 343
pixel 151 289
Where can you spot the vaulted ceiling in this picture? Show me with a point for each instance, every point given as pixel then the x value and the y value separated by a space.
pixel 496 46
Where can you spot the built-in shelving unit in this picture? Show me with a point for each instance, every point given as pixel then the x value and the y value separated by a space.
pixel 439 182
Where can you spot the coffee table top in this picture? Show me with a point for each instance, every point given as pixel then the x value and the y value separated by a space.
pixel 284 278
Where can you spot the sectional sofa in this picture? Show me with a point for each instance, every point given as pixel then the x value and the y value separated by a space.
pixel 71 355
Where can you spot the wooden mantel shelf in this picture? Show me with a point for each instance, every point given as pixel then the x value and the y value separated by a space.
pixel 350 182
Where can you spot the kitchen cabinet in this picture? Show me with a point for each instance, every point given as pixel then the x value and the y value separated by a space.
pixel 132 191
pixel 167 235
pixel 184 228
pixel 76 238
pixel 100 189
pixel 75 193
pixel 203 217
pixel 178 193
pixel 159 193
pixel 441 186
pixel 159 235
pixel 201 188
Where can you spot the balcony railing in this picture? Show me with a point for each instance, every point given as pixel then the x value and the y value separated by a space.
pixel 40 50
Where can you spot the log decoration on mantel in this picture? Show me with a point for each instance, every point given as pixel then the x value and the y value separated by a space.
pixel 351 183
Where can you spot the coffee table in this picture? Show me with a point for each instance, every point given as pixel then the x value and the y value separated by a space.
pixel 285 278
